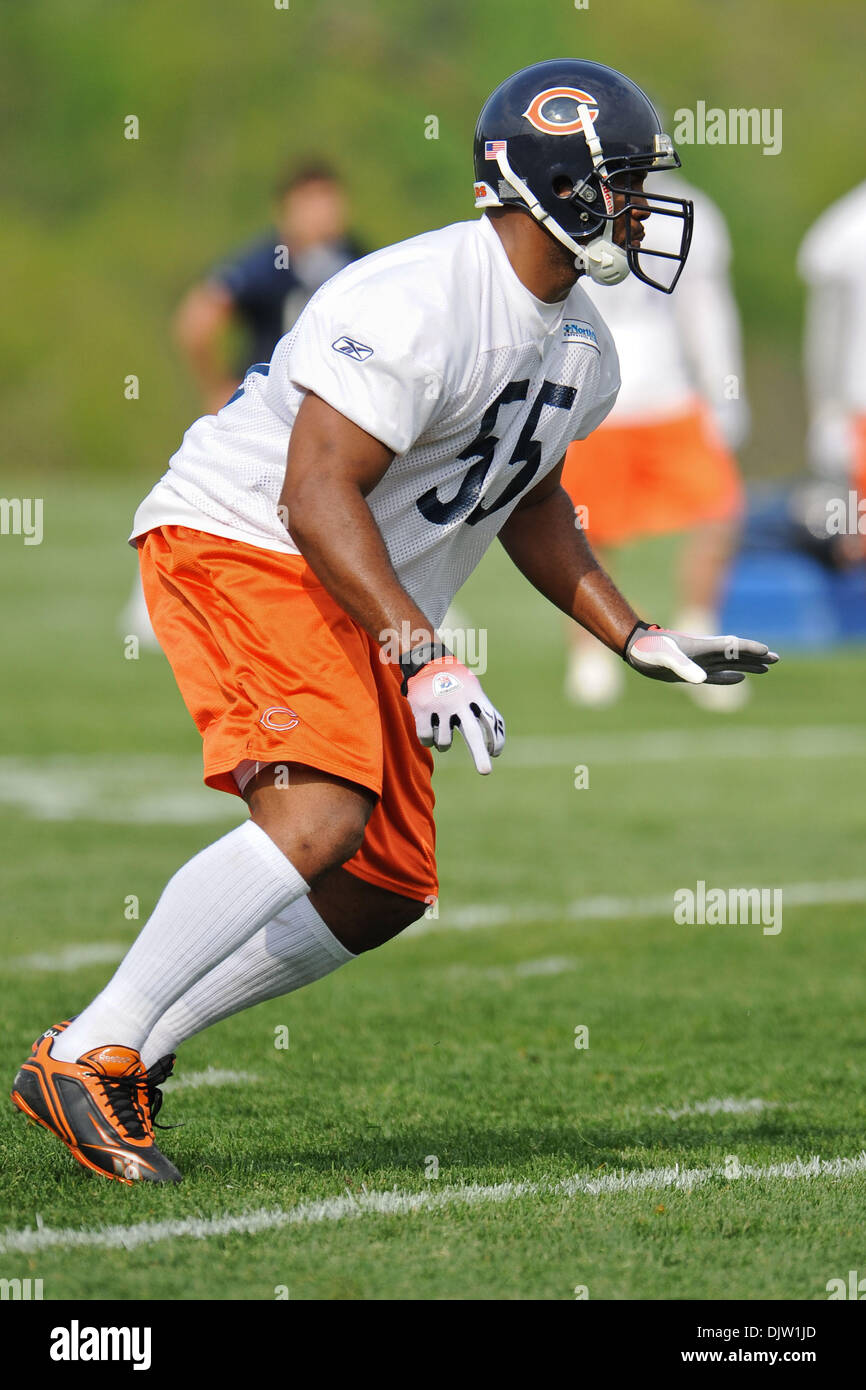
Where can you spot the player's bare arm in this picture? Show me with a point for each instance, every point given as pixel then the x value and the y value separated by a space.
pixel 332 466
pixel 546 545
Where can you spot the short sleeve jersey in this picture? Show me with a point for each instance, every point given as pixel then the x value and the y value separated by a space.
pixel 831 261
pixel 437 349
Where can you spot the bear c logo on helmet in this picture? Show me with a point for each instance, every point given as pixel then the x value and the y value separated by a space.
pixel 554 111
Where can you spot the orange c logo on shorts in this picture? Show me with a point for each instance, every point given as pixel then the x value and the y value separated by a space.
pixel 279 717
pixel 554 111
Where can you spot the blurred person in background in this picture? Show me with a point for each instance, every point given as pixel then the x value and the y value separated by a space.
pixel 264 287
pixel 831 262
pixel 261 291
pixel 663 461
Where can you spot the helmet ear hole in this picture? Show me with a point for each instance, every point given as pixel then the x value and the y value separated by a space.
pixel 563 187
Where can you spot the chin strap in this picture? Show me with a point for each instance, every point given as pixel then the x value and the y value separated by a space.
pixel 604 261
pixel 600 259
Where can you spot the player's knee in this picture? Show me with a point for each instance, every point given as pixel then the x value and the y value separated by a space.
pixel 317 821
pixel 333 846
pixel 315 847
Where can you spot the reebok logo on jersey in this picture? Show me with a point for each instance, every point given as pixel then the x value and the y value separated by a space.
pixel 577 331
pixel 443 681
pixel 351 348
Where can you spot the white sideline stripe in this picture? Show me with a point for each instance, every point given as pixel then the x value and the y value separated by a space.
pixel 211 1076
pixel 401 1203
pixel 138 789
pixel 674 745
pixel 476 916
pixel 715 1106
pixel 524 969
pixel 72 957
pixel 480 915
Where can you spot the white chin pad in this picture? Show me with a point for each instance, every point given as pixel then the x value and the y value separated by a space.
pixel 603 262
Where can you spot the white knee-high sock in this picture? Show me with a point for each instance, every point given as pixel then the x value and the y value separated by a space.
pixel 293 950
pixel 211 906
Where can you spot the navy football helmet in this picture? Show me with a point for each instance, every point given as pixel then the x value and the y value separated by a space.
pixel 560 138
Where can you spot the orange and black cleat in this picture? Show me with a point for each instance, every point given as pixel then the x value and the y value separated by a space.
pixel 99 1106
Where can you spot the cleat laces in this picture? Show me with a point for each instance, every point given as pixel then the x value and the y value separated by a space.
pixel 127 1103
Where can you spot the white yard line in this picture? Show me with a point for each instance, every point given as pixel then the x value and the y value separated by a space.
pixel 715 1106
pixel 520 970
pixel 130 789
pixel 474 917
pixel 677 745
pixel 211 1076
pixel 477 916
pixel 72 957
pixel 145 789
pixel 402 1203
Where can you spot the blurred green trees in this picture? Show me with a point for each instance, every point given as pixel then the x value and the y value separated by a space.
pixel 101 234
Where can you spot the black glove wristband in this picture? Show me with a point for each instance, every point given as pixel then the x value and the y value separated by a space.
pixel 412 662
pixel 647 627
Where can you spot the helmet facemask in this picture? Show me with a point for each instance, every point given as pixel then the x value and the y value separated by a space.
pixel 589 213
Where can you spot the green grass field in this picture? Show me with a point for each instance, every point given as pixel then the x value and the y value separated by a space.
pixel 457 1042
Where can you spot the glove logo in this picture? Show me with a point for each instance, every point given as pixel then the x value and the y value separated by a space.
pixel 554 112
pixel 443 682
pixel 279 717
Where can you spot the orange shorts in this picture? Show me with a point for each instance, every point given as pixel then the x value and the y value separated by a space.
pixel 272 670
pixel 859 477
pixel 644 480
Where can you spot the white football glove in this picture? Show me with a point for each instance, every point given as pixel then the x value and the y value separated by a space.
pixel 443 696
pixel 676 656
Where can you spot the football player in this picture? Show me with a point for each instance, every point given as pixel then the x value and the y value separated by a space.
pixel 831 263
pixel 303 547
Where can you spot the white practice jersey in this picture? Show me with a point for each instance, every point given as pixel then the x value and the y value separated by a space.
pixel 677 349
pixel 833 264
pixel 436 348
